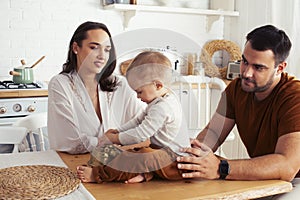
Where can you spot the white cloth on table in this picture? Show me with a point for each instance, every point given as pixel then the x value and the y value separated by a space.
pixel 43 158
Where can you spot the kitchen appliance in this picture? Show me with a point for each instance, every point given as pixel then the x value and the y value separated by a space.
pixel 233 70
pixel 14 85
pixel 179 62
pixel 20 100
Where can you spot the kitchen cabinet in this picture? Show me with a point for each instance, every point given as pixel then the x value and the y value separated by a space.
pixel 199 97
pixel 129 11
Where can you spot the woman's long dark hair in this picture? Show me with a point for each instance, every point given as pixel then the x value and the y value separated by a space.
pixel 107 83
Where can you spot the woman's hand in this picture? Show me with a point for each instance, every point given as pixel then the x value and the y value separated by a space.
pixel 103 141
pixel 109 137
pixel 113 136
pixel 202 163
pixel 111 131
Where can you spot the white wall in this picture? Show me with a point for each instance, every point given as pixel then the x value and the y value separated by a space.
pixel 33 28
pixel 283 14
pixel 253 13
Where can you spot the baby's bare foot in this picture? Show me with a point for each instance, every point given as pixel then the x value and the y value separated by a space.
pixel 137 179
pixel 85 174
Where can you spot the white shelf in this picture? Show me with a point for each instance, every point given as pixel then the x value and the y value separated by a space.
pixel 129 11
pixel 164 9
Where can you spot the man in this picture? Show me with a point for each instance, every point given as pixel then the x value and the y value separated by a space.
pixel 265 105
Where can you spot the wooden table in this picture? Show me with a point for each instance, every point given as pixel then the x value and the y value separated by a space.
pixel 185 189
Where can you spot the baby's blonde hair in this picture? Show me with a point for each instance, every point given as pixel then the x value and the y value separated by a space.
pixel 150 57
pixel 147 67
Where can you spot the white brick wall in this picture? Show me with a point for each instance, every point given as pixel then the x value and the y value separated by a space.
pixel 33 28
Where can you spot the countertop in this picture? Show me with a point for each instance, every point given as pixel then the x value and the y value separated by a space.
pixel 17 93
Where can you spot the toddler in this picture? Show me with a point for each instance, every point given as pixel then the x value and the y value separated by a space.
pixel 149 74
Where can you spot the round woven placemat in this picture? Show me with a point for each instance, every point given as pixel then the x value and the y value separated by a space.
pixel 36 182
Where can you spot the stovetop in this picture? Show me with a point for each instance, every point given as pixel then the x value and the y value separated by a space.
pixel 12 85
pixel 9 89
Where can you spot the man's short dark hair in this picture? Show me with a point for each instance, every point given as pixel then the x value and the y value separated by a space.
pixel 269 37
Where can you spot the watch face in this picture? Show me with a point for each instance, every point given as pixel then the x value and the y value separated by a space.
pixel 224 169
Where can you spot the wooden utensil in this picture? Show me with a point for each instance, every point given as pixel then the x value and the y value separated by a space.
pixel 14 73
pixel 37 62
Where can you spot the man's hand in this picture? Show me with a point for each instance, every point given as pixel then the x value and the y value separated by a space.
pixel 202 162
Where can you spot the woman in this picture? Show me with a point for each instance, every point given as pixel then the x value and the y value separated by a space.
pixel 86 99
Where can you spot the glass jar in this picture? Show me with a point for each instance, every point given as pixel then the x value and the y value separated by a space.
pixel 199 69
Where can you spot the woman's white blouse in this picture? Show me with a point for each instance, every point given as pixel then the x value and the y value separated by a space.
pixel 73 125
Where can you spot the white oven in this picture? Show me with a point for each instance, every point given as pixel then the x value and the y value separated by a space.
pixel 19 100
pixel 11 109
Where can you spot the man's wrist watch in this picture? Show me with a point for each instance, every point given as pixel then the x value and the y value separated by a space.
pixel 224 169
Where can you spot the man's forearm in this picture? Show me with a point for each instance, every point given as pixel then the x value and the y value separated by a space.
pixel 272 166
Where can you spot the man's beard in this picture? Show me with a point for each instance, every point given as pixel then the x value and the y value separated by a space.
pixel 257 88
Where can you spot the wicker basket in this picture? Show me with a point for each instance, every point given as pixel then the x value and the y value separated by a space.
pixel 208 51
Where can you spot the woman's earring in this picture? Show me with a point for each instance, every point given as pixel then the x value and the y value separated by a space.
pixel 157 85
pixel 75 52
